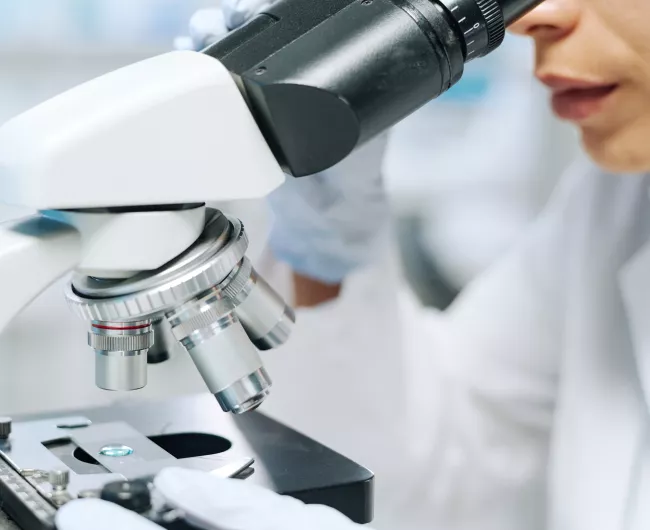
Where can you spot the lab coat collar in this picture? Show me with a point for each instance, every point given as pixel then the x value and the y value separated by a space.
pixel 634 281
pixel 634 285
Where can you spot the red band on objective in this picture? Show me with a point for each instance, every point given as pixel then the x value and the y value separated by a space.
pixel 125 328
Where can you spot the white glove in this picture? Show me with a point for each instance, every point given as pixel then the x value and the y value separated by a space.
pixel 210 25
pixel 209 503
pixel 326 225
pixel 238 12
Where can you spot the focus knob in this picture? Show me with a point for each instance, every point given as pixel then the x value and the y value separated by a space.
pixel 496 27
pixel 481 25
pixel 134 496
pixel 513 10
pixel 5 428
pixel 59 479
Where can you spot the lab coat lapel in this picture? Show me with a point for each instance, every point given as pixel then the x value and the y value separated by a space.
pixel 606 403
pixel 634 280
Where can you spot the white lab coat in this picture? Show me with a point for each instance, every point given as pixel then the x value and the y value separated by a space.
pixel 525 406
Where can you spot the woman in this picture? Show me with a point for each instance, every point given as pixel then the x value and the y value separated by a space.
pixel 544 422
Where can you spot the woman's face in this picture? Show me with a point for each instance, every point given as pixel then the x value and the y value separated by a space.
pixel 594 55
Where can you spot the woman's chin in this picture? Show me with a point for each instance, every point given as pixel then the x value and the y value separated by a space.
pixel 619 153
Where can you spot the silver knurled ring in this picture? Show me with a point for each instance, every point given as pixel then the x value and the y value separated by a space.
pixel 204 320
pixel 237 284
pixel 140 342
pixel 59 478
pixel 148 303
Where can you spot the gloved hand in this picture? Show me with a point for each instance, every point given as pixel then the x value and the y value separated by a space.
pixel 209 503
pixel 326 225
pixel 210 25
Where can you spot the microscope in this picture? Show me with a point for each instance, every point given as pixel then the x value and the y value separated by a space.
pixel 120 169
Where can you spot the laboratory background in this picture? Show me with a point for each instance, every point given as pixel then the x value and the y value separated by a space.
pixel 461 195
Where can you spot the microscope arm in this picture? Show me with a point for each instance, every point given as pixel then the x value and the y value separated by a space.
pixel 34 253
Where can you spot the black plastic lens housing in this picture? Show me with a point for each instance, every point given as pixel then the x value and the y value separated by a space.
pixel 323 77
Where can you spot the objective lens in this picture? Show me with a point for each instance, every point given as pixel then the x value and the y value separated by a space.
pixel 229 363
pixel 266 317
pixel 246 394
pixel 121 353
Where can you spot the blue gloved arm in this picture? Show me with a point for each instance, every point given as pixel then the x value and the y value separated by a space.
pixel 327 225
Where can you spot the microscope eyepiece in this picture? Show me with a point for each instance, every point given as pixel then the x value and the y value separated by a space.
pixel 513 10
pixel 322 78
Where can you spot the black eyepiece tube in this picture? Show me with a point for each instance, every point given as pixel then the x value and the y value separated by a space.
pixel 513 10
pixel 323 77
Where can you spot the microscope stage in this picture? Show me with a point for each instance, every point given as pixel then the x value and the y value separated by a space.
pixel 135 441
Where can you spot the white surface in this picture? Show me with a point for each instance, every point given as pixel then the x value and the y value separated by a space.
pixel 116 245
pixel 34 253
pixel 171 129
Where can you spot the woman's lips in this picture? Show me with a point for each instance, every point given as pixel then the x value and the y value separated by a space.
pixel 577 100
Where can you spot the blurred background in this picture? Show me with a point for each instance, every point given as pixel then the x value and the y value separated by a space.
pixel 466 192
pixel 47 46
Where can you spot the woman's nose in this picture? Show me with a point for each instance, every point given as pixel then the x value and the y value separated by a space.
pixel 552 19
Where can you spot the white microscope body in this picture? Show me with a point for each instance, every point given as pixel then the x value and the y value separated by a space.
pixel 119 169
